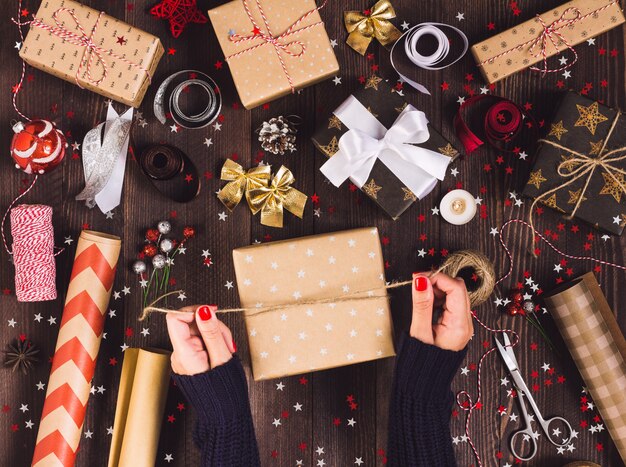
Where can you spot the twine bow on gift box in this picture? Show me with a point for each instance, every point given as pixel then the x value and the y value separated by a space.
pixel 295 48
pixel 82 39
pixel 279 195
pixel 368 140
pixel 240 182
pixel 584 166
pixel 363 26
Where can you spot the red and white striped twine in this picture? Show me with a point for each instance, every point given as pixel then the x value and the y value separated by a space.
pixel 276 41
pixel 468 404
pixel 547 34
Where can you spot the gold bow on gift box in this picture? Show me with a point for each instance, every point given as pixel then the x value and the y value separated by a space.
pixel 279 195
pixel 269 198
pixel 365 25
pixel 240 182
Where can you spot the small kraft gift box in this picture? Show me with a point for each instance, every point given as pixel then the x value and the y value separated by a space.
pixel 580 166
pixel 385 146
pixel 273 47
pixel 544 36
pixel 315 302
pixel 93 50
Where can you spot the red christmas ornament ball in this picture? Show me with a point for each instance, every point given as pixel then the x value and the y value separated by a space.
pixel 150 250
pixel 152 235
pixel 189 232
pixel 514 309
pixel 517 297
pixel 37 146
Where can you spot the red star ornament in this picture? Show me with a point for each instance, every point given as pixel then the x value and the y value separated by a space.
pixel 179 13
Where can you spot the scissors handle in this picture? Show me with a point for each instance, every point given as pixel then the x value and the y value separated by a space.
pixel 525 432
pixel 567 434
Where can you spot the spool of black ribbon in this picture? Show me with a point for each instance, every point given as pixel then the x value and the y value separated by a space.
pixel 171 172
pixel 167 99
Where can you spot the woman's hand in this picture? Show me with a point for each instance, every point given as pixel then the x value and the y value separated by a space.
pixel 455 327
pixel 200 340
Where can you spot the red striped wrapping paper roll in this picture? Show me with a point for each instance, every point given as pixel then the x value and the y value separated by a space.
pixel 76 350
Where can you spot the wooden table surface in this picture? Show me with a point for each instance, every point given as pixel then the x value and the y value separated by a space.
pixel 319 434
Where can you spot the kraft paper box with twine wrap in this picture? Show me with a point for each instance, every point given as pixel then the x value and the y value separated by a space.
pixel 139 411
pixel 273 47
pixel 544 36
pixel 92 49
pixel 385 146
pixel 305 336
pixel 597 346
pixel 580 167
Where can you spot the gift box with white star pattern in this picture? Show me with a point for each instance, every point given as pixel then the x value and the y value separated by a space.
pixel 581 164
pixel 331 304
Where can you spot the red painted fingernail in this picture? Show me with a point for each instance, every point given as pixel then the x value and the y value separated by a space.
pixel 204 312
pixel 234 346
pixel 421 283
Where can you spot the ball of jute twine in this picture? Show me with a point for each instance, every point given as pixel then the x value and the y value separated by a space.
pixel 452 266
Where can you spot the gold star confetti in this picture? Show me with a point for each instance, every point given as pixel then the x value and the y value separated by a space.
pixel 373 82
pixel 369 109
pixel 575 195
pixel 372 189
pixel 408 195
pixel 402 107
pixel 536 179
pixel 613 185
pixel 590 117
pixel 449 151
pixel 557 130
pixel 331 148
pixel 595 148
pixel 551 202
pixel 334 122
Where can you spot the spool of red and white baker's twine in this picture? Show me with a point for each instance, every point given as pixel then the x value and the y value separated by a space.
pixel 463 398
pixel 33 250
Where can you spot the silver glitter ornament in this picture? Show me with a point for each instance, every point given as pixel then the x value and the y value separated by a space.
pixel 166 245
pixel 164 227
pixel 158 261
pixel 528 306
pixel 139 267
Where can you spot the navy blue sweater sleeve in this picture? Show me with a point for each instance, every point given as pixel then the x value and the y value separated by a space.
pixel 224 431
pixel 421 403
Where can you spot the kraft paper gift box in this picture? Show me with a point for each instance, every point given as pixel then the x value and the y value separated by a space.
pixel 302 336
pixel 583 132
pixel 121 64
pixel 261 71
pixel 519 47
pixel 373 110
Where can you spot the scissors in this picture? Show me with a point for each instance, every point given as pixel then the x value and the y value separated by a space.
pixel 527 433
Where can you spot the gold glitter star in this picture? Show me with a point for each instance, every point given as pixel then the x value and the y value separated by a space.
pixel 373 82
pixel 557 130
pixel 575 195
pixel 569 165
pixel 551 202
pixel 334 122
pixel 449 151
pixel 623 223
pixel 613 185
pixel 408 195
pixel 595 148
pixel 536 179
pixel 590 117
pixel 371 189
pixel 331 148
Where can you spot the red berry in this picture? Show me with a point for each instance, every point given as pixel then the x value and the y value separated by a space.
pixel 152 235
pixel 150 250
pixel 517 297
pixel 189 232
pixel 513 309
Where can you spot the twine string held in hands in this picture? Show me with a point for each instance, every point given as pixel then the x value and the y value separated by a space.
pixel 278 42
pixel 454 263
pixel 583 165
pixel 547 36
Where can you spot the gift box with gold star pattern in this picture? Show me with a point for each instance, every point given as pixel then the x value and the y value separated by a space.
pixel 385 104
pixel 580 167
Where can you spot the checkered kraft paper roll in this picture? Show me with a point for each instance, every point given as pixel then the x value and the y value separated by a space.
pixel 77 348
pixel 598 347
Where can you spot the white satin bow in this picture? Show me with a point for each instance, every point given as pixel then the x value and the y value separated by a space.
pixel 417 168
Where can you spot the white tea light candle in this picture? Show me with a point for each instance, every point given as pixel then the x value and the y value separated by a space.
pixel 458 207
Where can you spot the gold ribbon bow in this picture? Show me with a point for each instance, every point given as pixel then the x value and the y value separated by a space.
pixel 279 195
pixel 363 26
pixel 241 182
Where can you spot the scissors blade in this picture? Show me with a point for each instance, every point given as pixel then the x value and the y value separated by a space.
pixel 511 363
